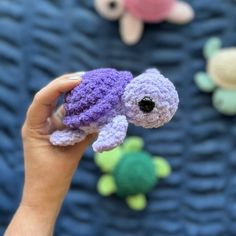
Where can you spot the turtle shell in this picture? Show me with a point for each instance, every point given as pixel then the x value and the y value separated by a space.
pixel 152 11
pixel 96 99
pixel 222 68
pixel 135 174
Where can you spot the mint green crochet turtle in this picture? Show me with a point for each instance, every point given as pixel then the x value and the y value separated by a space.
pixel 220 77
pixel 130 172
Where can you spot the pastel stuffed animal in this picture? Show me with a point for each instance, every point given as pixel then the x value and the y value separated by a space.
pixel 220 77
pixel 130 172
pixel 107 99
pixel 132 14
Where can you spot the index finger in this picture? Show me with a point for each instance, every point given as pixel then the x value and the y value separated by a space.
pixel 45 100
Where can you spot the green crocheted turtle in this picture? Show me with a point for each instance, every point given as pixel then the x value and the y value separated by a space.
pixel 130 172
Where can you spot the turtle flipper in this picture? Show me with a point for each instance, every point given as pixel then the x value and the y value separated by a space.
pixel 212 46
pixel 224 101
pixel 108 160
pixel 67 137
pixel 106 185
pixel 162 167
pixel 131 28
pixel 181 13
pixel 137 202
pixel 112 134
pixel 204 82
pixel 133 144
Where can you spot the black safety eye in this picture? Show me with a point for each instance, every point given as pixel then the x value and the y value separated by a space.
pixel 146 105
pixel 112 5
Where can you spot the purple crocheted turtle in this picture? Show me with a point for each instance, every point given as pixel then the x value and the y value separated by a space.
pixel 107 99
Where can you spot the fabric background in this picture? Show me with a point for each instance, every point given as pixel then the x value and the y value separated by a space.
pixel 40 40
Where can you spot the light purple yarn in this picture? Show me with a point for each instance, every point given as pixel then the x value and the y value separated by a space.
pixel 161 90
pixel 107 99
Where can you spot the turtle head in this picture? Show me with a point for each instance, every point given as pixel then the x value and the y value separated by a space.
pixel 110 9
pixel 150 100
pixel 224 101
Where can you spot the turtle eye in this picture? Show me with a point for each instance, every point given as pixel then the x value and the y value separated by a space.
pixel 112 5
pixel 110 9
pixel 146 105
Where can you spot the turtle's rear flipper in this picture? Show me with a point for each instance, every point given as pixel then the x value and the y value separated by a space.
pixel 67 137
pixel 137 202
pixel 181 13
pixel 111 135
pixel 204 82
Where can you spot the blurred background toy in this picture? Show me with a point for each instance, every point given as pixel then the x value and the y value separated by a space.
pixel 220 77
pixel 107 100
pixel 130 172
pixel 132 14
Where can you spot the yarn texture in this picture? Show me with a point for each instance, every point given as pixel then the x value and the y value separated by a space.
pixel 152 11
pixel 220 76
pixel 96 98
pixel 130 172
pixel 222 68
pixel 135 174
pixel 115 136
pixel 160 89
pixel 132 14
pixel 107 100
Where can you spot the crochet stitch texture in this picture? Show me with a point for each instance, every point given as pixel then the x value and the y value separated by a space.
pixel 107 100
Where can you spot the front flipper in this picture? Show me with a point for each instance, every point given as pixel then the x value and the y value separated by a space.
pixel 204 82
pixel 111 135
pixel 133 144
pixel 131 29
pixel 67 137
pixel 162 167
pixel 106 185
pixel 137 202
pixel 181 13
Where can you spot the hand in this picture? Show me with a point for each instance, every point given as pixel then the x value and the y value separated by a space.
pixel 48 169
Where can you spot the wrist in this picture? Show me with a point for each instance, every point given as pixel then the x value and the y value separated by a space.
pixel 42 206
pixel 44 197
pixel 31 220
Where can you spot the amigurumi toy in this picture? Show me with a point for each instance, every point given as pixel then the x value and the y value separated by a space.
pixel 132 14
pixel 220 77
pixel 130 172
pixel 107 99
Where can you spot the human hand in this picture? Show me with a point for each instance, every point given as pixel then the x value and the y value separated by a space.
pixel 48 169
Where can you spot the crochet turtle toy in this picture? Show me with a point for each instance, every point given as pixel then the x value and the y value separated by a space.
pixel 132 14
pixel 107 99
pixel 130 172
pixel 220 77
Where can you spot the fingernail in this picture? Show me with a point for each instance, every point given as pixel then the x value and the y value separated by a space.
pixel 80 73
pixel 75 77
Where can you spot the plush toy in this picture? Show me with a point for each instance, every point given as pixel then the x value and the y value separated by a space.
pixel 220 77
pixel 107 99
pixel 132 14
pixel 130 172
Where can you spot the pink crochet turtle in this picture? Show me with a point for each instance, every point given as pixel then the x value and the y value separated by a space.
pixel 134 13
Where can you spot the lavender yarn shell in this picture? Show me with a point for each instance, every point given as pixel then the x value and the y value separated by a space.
pixel 97 99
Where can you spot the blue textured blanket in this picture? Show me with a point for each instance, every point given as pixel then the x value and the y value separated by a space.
pixel 40 40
